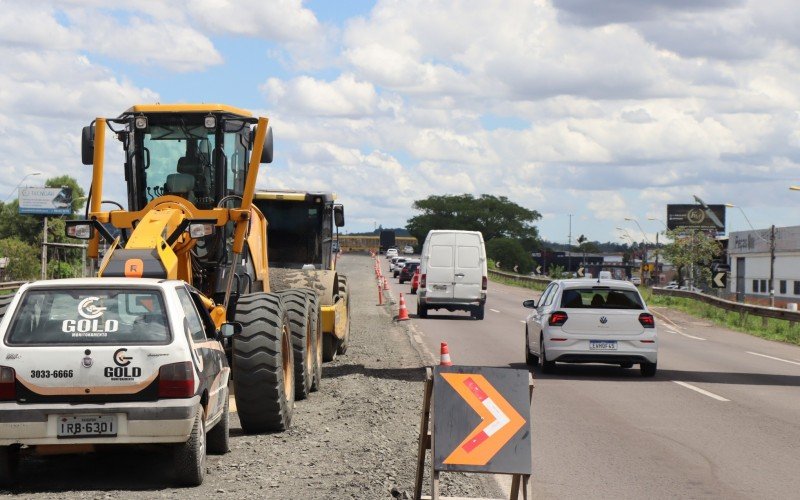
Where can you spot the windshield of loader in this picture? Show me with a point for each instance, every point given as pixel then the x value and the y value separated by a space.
pixel 296 232
pixel 180 158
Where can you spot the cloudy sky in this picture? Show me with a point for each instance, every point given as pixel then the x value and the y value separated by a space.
pixel 604 110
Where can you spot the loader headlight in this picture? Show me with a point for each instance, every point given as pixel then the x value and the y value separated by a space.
pixel 200 230
pixel 140 122
pixel 210 122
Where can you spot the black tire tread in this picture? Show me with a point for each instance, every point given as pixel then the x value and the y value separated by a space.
pixel 298 307
pixel 257 364
pixel 188 472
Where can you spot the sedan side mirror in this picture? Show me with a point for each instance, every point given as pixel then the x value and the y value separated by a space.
pixel 530 304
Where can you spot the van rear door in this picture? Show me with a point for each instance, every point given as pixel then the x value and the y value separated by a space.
pixel 440 268
pixel 468 270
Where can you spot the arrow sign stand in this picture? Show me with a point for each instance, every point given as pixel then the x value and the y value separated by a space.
pixel 483 421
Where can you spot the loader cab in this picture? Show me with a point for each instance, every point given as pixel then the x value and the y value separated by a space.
pixel 202 157
pixel 300 228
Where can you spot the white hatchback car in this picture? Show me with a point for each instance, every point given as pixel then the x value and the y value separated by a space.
pixel 112 361
pixel 591 321
pixel 392 252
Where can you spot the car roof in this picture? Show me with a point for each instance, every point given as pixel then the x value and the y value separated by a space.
pixel 592 282
pixel 103 282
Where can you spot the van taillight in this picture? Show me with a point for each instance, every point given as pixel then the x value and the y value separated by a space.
pixel 484 283
pixel 558 318
pixel 647 320
pixel 176 380
pixel 422 280
pixel 8 390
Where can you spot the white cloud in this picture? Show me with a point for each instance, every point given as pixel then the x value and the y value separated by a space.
pixel 305 95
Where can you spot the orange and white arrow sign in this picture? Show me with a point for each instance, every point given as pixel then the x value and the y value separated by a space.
pixel 499 420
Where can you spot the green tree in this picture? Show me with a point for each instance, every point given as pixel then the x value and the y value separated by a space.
pixel 23 260
pixel 557 272
pixel 509 253
pixel 689 249
pixel 494 216
pixel 78 195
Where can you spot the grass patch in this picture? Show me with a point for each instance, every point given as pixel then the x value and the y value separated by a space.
pixel 775 329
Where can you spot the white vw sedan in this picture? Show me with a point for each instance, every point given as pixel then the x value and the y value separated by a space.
pixel 591 321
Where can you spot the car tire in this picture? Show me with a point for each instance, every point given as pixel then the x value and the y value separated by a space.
pixel 219 437
pixel 189 459
pixel 545 365
pixel 413 291
pixel 263 364
pixel 299 307
pixel 9 465
pixel 422 310
pixel 530 358
pixel 401 281
pixel 648 369
pixel 477 312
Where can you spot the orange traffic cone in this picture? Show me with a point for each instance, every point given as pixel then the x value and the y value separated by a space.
pixel 403 314
pixel 445 356
pixel 380 295
pixel 385 283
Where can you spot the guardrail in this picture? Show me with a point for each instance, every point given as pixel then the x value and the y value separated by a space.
pixel 521 278
pixel 729 305
pixel 11 285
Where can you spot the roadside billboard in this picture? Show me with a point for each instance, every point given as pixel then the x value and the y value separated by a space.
pixel 45 201
pixel 697 217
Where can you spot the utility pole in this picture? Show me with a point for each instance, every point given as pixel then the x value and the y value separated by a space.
pixel 569 247
pixel 44 250
pixel 772 266
pixel 658 274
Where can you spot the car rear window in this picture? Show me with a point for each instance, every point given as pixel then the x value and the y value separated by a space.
pixel 86 316
pixel 600 298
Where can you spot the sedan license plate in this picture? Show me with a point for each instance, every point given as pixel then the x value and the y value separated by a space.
pixel 602 345
pixel 76 426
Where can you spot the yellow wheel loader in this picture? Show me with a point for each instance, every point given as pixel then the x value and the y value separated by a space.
pixel 190 172
pixel 301 254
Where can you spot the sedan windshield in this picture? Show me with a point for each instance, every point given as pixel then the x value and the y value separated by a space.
pixel 601 298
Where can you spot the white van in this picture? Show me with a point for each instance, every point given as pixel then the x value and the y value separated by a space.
pixel 453 273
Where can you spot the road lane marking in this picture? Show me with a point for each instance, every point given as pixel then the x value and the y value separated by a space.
pixel 494 310
pixel 673 328
pixel 773 357
pixel 701 391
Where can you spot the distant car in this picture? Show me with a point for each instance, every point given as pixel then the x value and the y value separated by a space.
pixel 691 289
pixel 636 280
pixel 408 250
pixel 392 252
pixel 672 285
pixel 415 281
pixel 581 321
pixel 407 270
pixel 398 265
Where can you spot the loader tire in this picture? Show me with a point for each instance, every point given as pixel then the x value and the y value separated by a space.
pixel 300 305
pixel 263 364
pixel 342 344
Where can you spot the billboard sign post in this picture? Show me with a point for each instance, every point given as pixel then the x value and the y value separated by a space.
pixel 45 201
pixel 699 217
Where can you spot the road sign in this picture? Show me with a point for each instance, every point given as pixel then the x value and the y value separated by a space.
pixel 538 269
pixel 497 264
pixel 516 268
pixel 720 280
pixel 580 272
pixel 481 420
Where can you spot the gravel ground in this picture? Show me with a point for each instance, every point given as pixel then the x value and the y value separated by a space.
pixel 356 438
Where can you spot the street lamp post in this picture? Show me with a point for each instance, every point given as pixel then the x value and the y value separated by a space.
pixel 644 242
pixel 771 242
pixel 658 272
pixel 19 184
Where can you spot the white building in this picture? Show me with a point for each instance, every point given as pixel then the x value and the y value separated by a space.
pixel 749 254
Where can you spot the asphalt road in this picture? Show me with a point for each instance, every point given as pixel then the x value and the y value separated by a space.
pixel 721 418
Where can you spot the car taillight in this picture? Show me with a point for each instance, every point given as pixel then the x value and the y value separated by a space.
pixel 176 380
pixel 558 318
pixel 422 280
pixel 8 389
pixel 647 320
pixel 484 283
